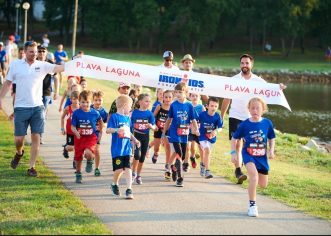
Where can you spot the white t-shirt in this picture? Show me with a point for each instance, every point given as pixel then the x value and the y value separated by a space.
pixel 238 107
pixel 29 81
pixel 172 67
pixel 45 42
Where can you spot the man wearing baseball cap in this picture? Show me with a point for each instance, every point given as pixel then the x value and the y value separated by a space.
pixel 168 58
pixel 123 88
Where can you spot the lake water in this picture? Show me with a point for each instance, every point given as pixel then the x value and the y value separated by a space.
pixel 311 111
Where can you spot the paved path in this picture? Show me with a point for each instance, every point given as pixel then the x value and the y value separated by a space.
pixel 213 206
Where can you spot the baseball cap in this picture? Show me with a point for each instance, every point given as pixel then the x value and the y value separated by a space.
pixel 11 37
pixel 188 57
pixel 168 54
pixel 41 47
pixel 124 84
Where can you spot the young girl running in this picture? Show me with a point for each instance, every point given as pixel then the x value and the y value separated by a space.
pixel 256 132
pixel 161 115
pixel 142 120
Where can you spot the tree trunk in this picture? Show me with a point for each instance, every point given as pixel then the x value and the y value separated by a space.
pixel 82 21
pixel 197 49
pixel 138 44
pixel 263 34
pixel 182 47
pixel 283 42
pixel 302 45
pixel 290 49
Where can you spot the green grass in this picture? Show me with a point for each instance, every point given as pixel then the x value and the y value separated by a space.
pixel 38 205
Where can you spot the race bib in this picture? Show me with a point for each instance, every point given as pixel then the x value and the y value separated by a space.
pixel 183 130
pixel 124 132
pixel 141 124
pixel 161 122
pixel 85 131
pixel 256 150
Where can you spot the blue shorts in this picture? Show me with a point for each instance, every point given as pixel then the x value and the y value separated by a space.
pixel 261 163
pixel 25 116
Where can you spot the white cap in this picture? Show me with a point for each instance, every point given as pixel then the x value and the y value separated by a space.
pixel 168 54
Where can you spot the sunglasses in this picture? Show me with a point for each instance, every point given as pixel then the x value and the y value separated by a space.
pixel 168 60
pixel 41 51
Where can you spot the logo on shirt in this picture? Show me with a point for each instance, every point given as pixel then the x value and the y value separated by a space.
pixel 37 69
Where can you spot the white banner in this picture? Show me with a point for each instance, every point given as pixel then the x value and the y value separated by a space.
pixel 160 77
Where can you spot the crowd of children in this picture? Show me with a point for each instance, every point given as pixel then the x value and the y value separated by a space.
pixel 179 122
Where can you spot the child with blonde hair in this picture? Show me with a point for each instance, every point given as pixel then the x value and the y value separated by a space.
pixel 257 132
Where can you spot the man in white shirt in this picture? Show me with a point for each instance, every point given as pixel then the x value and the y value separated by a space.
pixel 168 58
pixel 238 111
pixel 28 75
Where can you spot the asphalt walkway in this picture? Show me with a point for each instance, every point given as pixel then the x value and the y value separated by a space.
pixel 213 206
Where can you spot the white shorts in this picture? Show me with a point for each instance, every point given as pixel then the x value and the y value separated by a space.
pixel 206 144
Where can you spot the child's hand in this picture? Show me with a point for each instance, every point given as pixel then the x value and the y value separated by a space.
pixel 78 135
pixel 11 117
pixel 271 155
pixel 197 133
pixel 63 131
pixel 137 143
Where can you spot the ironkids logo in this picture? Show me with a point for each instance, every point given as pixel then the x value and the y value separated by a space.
pixel 175 80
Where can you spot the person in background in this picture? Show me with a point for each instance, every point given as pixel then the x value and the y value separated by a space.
pixel 46 41
pixel 61 56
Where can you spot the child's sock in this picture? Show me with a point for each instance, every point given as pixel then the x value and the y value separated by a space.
pixel 252 203
pixel 128 178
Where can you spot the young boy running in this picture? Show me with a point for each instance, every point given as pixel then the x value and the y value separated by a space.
pixel 181 114
pixel 97 105
pixel 257 132
pixel 84 126
pixel 67 113
pixel 210 124
pixel 121 147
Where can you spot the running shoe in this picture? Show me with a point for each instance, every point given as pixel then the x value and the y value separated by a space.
pixel 32 172
pixel 208 174
pixel 193 162
pixel 240 176
pixel 128 194
pixel 78 177
pixel 65 152
pixel 115 190
pixel 154 158
pixel 252 211
pixel 14 162
pixel 167 175
pixel 185 167
pixel 97 172
pixel 89 165
pixel 179 182
pixel 139 180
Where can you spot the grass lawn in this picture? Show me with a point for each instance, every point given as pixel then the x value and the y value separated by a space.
pixel 38 205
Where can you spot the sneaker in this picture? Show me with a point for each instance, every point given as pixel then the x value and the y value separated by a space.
pixel 208 174
pixel 78 177
pixel 179 182
pixel 134 176
pixel 252 211
pixel 202 169
pixel 173 173
pixel 97 172
pixel 185 167
pixel 167 175
pixel 115 190
pixel 14 162
pixel 193 162
pixel 139 180
pixel 65 152
pixel 32 172
pixel 154 158
pixel 128 194
pixel 240 176
pixel 74 164
pixel 41 141
pixel 89 165
pixel 166 167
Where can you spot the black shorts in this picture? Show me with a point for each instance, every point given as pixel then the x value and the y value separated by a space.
pixel 158 134
pixel 193 137
pixel 140 153
pixel 70 139
pixel 233 126
pixel 121 162
pixel 2 66
pixel 263 172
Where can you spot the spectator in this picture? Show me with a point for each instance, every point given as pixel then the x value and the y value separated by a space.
pixel 45 41
pixel 328 54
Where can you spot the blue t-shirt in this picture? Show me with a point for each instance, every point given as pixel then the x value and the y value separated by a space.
pixel 120 143
pixel 140 120
pixel 208 124
pixel 255 135
pixel 102 112
pixel 197 109
pixel 155 104
pixel 85 122
pixel 182 114
pixel 57 56
pixel 2 56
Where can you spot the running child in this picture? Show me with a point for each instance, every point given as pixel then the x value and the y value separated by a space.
pixel 181 114
pixel 121 146
pixel 192 138
pixel 256 132
pixel 67 114
pixel 161 115
pixel 142 120
pixel 97 105
pixel 72 86
pixel 210 124
pixel 84 126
